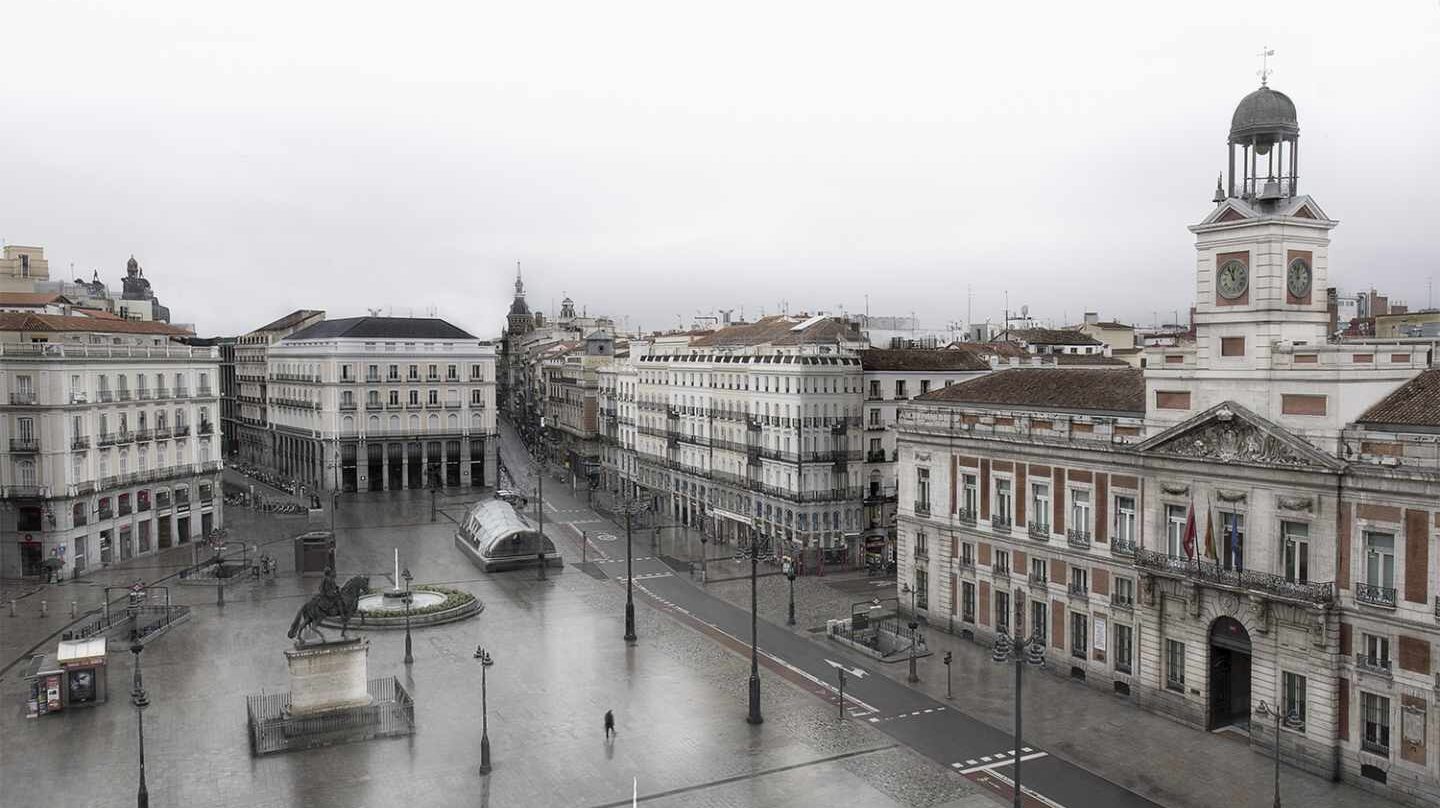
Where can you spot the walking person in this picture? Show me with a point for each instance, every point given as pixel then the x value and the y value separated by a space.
pixel 609 724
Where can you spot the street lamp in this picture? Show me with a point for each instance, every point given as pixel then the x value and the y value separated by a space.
pixel 141 701
pixel 630 507
pixel 948 659
pixel 789 568
pixel 1264 710
pixel 754 552
pixel 914 624
pixel 485 662
pixel 409 598
pixel 704 555
pixel 540 497
pixel 1030 650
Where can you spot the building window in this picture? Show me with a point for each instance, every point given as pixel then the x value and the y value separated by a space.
pixel 1039 570
pixel 922 587
pixel 1124 647
pixel 1175 665
pixel 1079 580
pixel 1297 551
pixel 1232 540
pixel 477 397
pixel 1377 652
pixel 1038 622
pixel 1002 611
pixel 1375 711
pixel 967 602
pixel 1380 560
pixel 1080 509
pixel 475 373
pixel 432 372
pixel 1125 521
pixel 345 372
pixel 1175 531
pixel 1295 699
pixel 452 372
pixel 1040 505
pixel 413 373
pixel 1002 501
pixel 372 373
pixel 967 554
pixel 1079 634
pixel 434 397
pixel 875 416
pixel 1002 560
pixel 971 495
pixel 922 490
pixel 899 389
pixel 414 397
pixel 392 373
pixel 395 398
pixel 1124 594
pixel 922 547
pixel 875 388
pixel 924 386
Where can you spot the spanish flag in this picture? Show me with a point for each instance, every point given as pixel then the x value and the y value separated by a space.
pixel 1210 551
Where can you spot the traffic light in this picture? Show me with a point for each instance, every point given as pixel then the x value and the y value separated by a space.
pixel 947 657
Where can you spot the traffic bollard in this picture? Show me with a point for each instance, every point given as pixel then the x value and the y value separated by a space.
pixel 12 607
pixel 74 608
pixel 44 608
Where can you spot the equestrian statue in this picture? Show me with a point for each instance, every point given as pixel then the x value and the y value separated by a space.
pixel 333 601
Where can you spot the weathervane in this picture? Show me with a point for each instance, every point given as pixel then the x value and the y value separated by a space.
pixel 1265 71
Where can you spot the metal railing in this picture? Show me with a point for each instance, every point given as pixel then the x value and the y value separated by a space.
pixel 1122 547
pixel 1374 747
pixel 1079 590
pixel 1039 580
pixel 123 394
pixel 1038 531
pixel 105 396
pixel 1079 539
pixel 272 728
pixel 1212 573
pixel 26 397
pixel 999 524
pixel 1373 664
pixel 922 507
pixel 966 517
pixel 27 445
pixel 52 350
pixel 1375 595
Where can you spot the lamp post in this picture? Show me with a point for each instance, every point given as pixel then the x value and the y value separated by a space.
pixel 1264 710
pixel 540 498
pixel 485 662
pixel 789 567
pixel 754 716
pixel 141 701
pixel 434 490
pixel 947 661
pixel 1031 651
pixel 914 624
pixel 409 598
pixel 704 554
pixel 630 507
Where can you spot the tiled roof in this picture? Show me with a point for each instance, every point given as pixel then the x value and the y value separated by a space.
pixel 917 360
pixel 777 329
pixel 36 299
pixel 25 321
pixel 1094 360
pixel 290 320
pixel 1417 403
pixel 1089 389
pixel 1050 336
pixel 381 328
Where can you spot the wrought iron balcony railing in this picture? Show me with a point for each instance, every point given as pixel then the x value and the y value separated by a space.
pixel 28 445
pixel 922 507
pixel 80 443
pixel 1039 580
pixel 1211 573
pixel 1373 664
pixel 1000 524
pixel 1122 547
pixel 1079 539
pixel 1079 590
pixel 966 517
pixel 1375 595
pixel 1039 531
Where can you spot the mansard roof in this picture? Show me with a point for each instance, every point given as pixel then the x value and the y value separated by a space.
pixel 1416 403
pixel 290 320
pixel 1121 390
pixel 381 328
pixel 1230 433
pixel 938 359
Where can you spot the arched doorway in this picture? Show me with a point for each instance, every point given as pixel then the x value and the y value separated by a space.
pixel 1229 673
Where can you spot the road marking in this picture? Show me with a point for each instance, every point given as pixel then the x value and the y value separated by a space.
pixel 856 672
pixel 1005 759
pixel 646 576
pixel 1026 790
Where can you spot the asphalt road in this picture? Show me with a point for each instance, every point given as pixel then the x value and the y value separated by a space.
pixel 935 729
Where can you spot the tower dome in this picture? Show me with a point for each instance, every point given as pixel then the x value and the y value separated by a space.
pixel 1264 112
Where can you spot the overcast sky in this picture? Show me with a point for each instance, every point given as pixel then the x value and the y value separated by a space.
pixel 655 159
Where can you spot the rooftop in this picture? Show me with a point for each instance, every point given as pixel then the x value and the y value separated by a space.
pixel 36 299
pixel 1416 403
pixel 1049 336
pixel 25 321
pixel 290 320
pixel 777 329
pixel 381 328
pixel 1083 389
pixel 920 360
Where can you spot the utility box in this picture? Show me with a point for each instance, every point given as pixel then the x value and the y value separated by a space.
pixel 314 551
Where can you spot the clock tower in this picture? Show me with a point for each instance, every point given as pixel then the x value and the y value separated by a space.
pixel 1263 252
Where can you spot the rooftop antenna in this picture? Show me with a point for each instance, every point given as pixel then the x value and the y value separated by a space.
pixel 1264 72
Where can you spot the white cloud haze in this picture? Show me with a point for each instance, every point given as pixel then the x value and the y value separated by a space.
pixel 655 159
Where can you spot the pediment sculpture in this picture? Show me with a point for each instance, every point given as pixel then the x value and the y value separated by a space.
pixel 1234 441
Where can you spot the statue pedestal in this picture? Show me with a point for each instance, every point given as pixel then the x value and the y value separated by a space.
pixel 328 676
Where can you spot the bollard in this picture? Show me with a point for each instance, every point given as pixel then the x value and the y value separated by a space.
pixel 12 607
pixel 74 608
pixel 44 608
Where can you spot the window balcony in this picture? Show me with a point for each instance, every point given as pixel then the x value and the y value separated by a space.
pixel 144 435
pixel 1375 595
pixel 1000 524
pixel 1039 531
pixel 105 396
pixel 206 428
pixel 1078 653
pixel 1122 547
pixel 922 553
pixel 182 430
pixel 966 517
pixel 1039 581
pixel 1119 603
pixel 182 392
pixel 206 392
pixel 1079 591
pixel 922 508
pixel 162 392
pixel 28 445
pixel 81 518
pixel 374 405
pixel 1307 592
pixel 876 456
pixel 1000 572
pixel 1079 539
pixel 123 394
pixel 27 397
pixel 79 443
pixel 966 563
pixel 1375 747
pixel 1377 665
pixel 373 379
pixel 106 513
pixel 143 393
pixel 347 405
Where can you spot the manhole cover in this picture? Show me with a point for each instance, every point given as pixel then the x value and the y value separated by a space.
pixel 606 537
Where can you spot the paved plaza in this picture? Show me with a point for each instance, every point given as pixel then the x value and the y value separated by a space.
pixel 679 694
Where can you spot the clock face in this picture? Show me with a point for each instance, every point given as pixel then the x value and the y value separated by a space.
pixel 1297 280
pixel 1233 279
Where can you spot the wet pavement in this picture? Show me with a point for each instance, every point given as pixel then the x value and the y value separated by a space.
pixel 560 662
